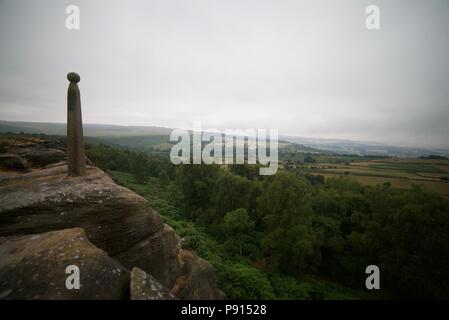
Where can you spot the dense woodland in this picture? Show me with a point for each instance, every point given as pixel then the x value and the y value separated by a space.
pixel 295 236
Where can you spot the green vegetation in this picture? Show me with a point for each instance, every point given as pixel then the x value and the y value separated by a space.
pixel 289 236
pixel 238 277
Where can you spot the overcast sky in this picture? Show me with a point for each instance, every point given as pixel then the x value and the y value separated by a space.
pixel 307 68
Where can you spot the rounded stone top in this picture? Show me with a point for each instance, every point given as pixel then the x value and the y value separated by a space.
pixel 73 77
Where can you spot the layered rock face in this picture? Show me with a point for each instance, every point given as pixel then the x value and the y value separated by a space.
pixel 196 279
pixel 145 287
pixel 30 152
pixel 114 219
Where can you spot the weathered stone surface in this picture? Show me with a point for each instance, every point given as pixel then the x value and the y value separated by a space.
pixel 40 157
pixel 34 267
pixel 157 254
pixel 36 152
pixel 73 77
pixel 197 279
pixel 9 141
pixel 14 162
pixel 115 219
pixel 144 287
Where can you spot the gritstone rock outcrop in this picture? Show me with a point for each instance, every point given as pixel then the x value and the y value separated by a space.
pixel 114 219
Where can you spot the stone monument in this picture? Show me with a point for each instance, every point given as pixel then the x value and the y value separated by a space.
pixel 75 142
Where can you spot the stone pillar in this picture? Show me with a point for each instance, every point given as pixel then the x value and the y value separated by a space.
pixel 75 142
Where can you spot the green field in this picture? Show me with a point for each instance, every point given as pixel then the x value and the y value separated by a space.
pixel 401 173
pixel 408 167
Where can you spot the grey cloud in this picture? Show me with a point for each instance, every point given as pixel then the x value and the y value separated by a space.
pixel 308 68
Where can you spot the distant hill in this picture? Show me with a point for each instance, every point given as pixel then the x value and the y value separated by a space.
pixel 157 138
pixel 362 148
pixel 135 137
pixel 92 130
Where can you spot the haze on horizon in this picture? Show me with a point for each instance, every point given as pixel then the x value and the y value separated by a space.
pixel 308 68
